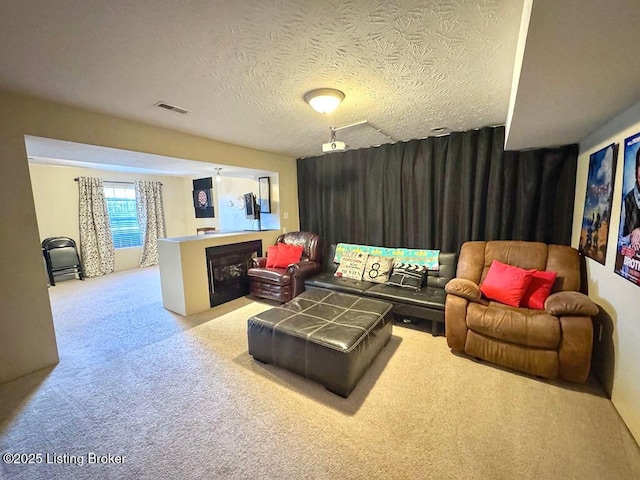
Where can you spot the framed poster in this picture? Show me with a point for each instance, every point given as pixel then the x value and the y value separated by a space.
pixel 264 192
pixel 628 248
pixel 597 204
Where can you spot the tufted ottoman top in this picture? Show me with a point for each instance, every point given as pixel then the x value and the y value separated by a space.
pixel 334 320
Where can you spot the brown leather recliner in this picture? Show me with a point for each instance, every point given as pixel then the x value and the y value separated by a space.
pixel 282 284
pixel 552 343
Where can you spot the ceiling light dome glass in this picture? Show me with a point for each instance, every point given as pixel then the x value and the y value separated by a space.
pixel 324 100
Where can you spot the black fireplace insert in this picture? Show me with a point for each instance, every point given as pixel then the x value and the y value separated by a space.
pixel 227 267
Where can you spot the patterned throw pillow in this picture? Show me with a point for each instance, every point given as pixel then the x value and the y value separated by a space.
pixel 407 275
pixel 352 265
pixel 377 269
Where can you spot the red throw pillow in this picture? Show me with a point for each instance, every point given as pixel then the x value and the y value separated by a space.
pixel 538 290
pixel 272 253
pixel 506 283
pixel 288 254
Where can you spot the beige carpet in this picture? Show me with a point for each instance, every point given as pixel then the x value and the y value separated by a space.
pixel 181 398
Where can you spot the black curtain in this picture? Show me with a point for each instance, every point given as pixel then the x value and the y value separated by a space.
pixel 439 192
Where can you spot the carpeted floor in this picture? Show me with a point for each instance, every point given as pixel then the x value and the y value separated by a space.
pixel 180 398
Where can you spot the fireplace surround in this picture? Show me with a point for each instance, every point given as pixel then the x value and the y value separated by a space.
pixel 227 267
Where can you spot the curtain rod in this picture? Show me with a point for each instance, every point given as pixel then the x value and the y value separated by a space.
pixel 109 181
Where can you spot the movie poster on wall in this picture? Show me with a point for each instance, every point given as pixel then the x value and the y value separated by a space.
pixel 597 204
pixel 628 249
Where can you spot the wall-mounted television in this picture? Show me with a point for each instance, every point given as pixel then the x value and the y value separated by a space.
pixel 251 206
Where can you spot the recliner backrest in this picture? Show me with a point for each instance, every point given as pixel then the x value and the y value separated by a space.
pixel 476 258
pixel 309 241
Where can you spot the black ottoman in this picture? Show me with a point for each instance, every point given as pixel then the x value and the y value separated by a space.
pixel 328 337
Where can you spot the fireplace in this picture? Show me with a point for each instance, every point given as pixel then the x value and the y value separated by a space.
pixel 227 267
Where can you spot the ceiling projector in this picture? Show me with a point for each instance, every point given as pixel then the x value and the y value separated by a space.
pixel 334 147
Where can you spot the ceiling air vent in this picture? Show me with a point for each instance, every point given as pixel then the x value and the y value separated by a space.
pixel 173 108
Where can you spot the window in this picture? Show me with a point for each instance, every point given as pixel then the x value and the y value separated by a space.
pixel 123 217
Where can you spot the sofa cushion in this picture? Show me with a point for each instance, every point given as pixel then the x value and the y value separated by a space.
pixel 347 285
pixel 428 297
pixel 533 328
pixel 377 269
pixel 506 283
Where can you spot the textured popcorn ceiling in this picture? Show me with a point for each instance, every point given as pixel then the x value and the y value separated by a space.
pixel 242 67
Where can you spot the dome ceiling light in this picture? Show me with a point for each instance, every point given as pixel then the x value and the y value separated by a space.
pixel 324 100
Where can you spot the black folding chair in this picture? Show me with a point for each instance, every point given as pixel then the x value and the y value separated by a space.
pixel 61 257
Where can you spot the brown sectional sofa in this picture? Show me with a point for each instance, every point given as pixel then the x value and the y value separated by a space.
pixel 552 343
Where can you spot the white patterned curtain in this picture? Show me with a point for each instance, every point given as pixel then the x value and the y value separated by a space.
pixel 96 245
pixel 150 219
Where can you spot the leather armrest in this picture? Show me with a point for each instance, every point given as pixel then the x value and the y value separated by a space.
pixel 258 262
pixel 570 303
pixel 574 354
pixel 464 288
pixel 455 324
pixel 304 269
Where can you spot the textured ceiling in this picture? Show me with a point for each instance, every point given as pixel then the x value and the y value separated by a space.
pixel 243 67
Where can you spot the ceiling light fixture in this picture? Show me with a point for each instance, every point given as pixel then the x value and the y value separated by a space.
pixel 218 177
pixel 324 100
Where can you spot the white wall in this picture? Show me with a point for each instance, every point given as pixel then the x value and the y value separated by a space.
pixel 619 298
pixel 55 195
pixel 227 196
pixel 231 203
